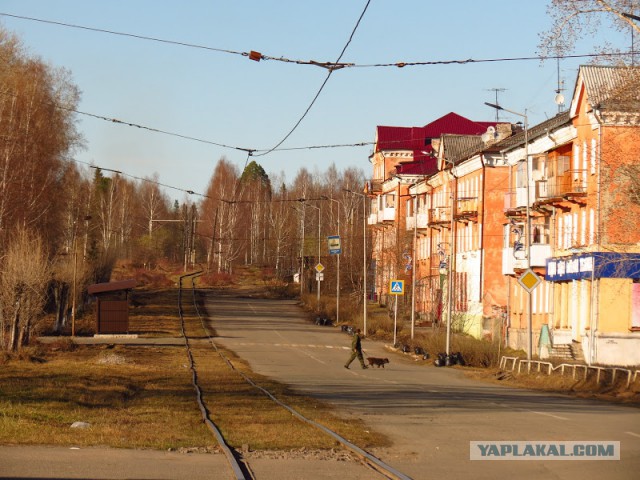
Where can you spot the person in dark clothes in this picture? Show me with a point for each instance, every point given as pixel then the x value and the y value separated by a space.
pixel 356 350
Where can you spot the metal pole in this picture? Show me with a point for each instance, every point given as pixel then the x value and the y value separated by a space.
pixel 413 265
pixel 338 261
pixel 452 256
pixel 73 299
pixel 528 240
pixel 318 274
pixel 395 320
pixel 528 223
pixel 364 261
pixel 364 257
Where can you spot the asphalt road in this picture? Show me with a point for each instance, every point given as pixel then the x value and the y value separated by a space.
pixel 431 414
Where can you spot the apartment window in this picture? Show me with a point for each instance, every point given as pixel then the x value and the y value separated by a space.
pixel 592 226
pixel 583 228
pixel 594 151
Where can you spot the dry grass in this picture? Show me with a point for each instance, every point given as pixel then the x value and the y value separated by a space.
pixel 128 395
pixel 142 396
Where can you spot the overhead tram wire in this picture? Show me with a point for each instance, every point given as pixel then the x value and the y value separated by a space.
pixel 331 66
pixel 330 69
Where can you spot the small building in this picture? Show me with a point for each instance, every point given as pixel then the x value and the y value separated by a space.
pixel 112 310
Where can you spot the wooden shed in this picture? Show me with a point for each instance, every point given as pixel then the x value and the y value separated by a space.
pixel 112 310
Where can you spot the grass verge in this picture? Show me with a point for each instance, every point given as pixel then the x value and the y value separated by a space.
pixel 143 397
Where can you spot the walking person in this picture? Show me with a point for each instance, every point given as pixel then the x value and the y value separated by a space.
pixel 356 350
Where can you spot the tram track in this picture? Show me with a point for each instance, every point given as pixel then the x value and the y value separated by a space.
pixel 239 466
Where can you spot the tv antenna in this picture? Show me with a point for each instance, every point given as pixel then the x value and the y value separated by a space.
pixel 559 98
pixel 497 91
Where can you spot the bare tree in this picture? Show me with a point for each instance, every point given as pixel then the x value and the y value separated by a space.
pixel 574 20
pixel 25 273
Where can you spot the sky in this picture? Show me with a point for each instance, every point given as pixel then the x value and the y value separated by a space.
pixel 227 99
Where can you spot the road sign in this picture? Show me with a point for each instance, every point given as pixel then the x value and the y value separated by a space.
pixel 319 268
pixel 334 244
pixel 319 277
pixel 529 280
pixel 396 287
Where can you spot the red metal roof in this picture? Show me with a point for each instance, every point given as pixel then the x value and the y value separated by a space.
pixel 425 166
pixel 418 139
pixel 455 124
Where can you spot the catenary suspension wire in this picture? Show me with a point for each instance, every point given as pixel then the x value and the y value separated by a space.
pixel 331 70
pixel 253 55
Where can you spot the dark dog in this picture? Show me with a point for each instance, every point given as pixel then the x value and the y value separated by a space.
pixel 378 362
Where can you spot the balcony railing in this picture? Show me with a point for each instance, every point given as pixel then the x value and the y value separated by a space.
pixel 573 182
pixel 510 202
pixel 467 206
pixel 422 220
pixel 439 215
pixel 387 214
pixel 539 254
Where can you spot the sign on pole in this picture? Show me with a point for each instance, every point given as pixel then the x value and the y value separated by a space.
pixel 319 268
pixel 529 280
pixel 334 245
pixel 396 287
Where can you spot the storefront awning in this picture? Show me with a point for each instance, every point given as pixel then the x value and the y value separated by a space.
pixel 593 265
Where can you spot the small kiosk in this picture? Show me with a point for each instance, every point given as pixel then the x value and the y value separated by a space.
pixel 112 310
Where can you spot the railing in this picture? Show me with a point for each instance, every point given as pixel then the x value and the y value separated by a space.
pixel 422 221
pixel 632 375
pixel 387 214
pixel 573 182
pixel 466 206
pixel 440 215
pixel 510 201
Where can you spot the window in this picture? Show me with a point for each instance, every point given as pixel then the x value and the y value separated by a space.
pixel 593 156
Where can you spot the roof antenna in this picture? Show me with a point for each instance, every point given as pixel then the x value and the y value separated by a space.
pixel 559 98
pixel 497 90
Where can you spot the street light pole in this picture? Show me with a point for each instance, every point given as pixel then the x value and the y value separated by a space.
pixel 338 261
pixel 364 256
pixel 318 273
pixel 528 222
pixel 413 265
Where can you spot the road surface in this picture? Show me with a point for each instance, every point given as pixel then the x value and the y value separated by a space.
pixel 431 414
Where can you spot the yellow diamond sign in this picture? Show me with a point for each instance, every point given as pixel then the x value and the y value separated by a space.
pixel 529 280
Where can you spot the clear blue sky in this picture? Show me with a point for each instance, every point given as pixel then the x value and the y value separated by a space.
pixel 231 100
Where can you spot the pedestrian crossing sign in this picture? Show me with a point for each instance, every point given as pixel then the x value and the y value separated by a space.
pixel 396 287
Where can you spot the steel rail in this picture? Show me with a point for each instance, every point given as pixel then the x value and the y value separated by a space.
pixel 369 459
pixel 233 461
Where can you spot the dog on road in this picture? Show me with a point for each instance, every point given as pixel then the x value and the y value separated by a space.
pixel 378 362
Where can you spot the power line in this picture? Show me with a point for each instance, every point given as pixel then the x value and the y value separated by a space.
pixel 331 70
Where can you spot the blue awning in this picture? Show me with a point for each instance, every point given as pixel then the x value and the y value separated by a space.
pixel 593 265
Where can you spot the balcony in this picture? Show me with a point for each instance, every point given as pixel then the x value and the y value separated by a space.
pixel 467 208
pixel 540 252
pixel 387 214
pixel 374 186
pixel 422 221
pixel 439 216
pixel 572 184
